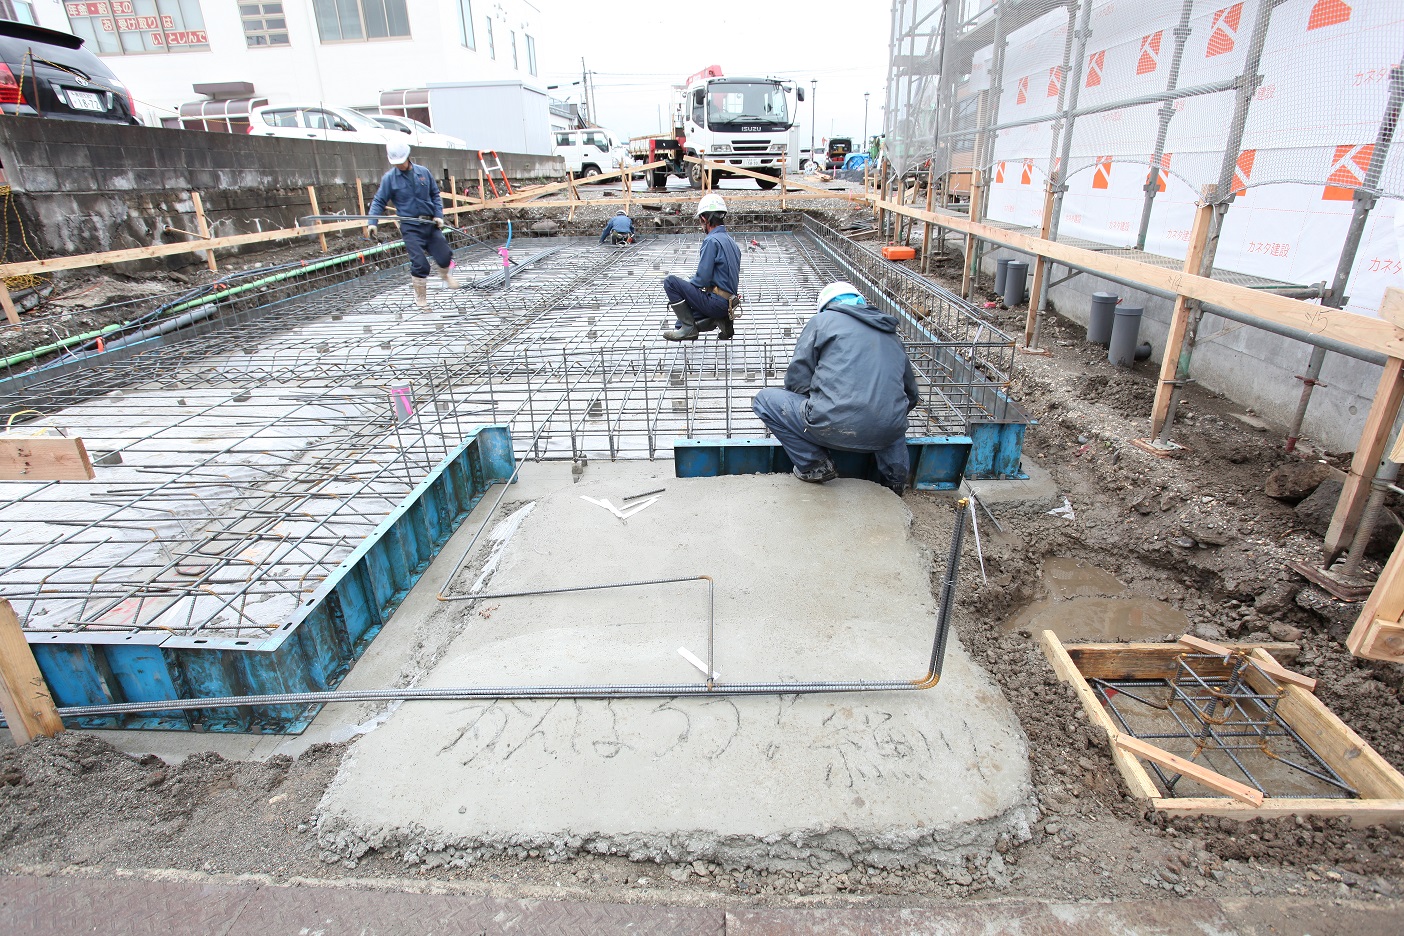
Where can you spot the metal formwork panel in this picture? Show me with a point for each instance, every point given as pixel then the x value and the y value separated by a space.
pixel 937 462
pixel 311 651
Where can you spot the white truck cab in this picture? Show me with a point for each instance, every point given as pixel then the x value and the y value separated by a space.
pixel 589 152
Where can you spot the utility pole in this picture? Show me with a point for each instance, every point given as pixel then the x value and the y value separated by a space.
pixel 585 85
pixel 864 144
pixel 813 112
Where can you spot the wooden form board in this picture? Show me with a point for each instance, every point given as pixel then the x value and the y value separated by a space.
pixel 43 458
pixel 1381 786
pixel 1359 330
pixel 1378 633
pixel 24 696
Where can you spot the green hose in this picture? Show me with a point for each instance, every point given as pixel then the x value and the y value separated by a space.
pixel 219 296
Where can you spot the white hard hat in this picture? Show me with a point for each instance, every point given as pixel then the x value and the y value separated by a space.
pixel 833 291
pixel 621 211
pixel 710 203
pixel 397 152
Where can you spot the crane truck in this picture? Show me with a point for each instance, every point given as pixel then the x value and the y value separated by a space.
pixel 743 122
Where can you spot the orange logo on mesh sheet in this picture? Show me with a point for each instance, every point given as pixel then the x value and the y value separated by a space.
pixel 1160 176
pixel 1027 178
pixel 1242 170
pixel 1149 60
pixel 1023 97
pixel 999 174
pixel 1055 80
pixel 1095 62
pixel 1327 13
pixel 1223 30
pixel 1348 168
pixel 1101 178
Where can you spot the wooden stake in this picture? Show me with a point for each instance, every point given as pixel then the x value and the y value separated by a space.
pixel 1045 226
pixel 977 186
pixel 1373 441
pixel 11 313
pixel 321 238
pixel 628 180
pixel 204 229
pixel 24 697
pixel 574 195
pixel 453 186
pixel 926 225
pixel 360 199
pixel 782 186
pixel 482 192
pixel 1179 320
pixel 1378 633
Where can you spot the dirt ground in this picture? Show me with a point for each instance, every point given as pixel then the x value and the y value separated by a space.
pixel 1195 531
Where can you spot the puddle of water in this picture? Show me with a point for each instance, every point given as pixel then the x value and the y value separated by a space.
pixel 1090 604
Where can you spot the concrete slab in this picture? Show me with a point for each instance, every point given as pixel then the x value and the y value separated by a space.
pixel 1038 490
pixel 811 583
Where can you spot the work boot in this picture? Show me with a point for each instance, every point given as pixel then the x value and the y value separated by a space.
pixel 421 291
pixel 824 471
pixel 446 275
pixel 727 330
pixel 687 326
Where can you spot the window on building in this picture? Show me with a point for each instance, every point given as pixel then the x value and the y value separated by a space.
pixel 134 27
pixel 18 11
pixel 265 25
pixel 512 35
pixel 492 47
pixel 465 24
pixel 361 20
pixel 531 55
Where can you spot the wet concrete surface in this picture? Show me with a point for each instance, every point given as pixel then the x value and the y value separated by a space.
pixel 812 583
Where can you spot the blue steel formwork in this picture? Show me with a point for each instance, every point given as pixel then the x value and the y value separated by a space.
pixel 312 651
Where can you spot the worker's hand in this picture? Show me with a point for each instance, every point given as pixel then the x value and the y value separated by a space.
pixel 439 223
pixel 372 232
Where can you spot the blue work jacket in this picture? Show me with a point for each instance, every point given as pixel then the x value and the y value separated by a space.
pixel 720 262
pixel 855 371
pixel 620 223
pixel 415 193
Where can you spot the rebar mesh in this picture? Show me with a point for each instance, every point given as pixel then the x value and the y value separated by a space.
pixel 241 462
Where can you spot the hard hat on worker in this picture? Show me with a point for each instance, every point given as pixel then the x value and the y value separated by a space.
pixel 621 211
pixel 711 204
pixel 397 152
pixel 838 290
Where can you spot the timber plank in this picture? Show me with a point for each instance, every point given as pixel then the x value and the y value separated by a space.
pixel 44 458
pixel 1196 772
pixel 24 696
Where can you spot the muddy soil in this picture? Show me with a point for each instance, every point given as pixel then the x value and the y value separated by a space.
pixel 1195 532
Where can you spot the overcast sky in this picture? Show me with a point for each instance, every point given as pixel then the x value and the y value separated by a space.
pixel 638 51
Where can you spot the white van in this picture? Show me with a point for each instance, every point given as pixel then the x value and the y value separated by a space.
pixel 589 152
pixel 318 122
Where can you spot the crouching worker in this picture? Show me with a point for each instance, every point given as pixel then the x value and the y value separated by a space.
pixel 849 388
pixel 709 299
pixel 415 195
pixel 618 230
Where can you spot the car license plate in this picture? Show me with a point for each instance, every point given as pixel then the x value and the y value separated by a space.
pixel 85 100
pixel 753 161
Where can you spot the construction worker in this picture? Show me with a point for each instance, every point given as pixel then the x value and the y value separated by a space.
pixel 709 299
pixel 416 196
pixel 848 388
pixel 618 230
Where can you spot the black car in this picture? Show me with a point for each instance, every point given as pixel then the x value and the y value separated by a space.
pixel 47 73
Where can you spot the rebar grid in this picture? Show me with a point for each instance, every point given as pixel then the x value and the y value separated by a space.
pixel 241 464
pixel 1228 725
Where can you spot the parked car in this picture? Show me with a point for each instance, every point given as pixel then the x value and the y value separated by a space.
pixel 47 73
pixel 420 134
pixel 318 122
pixel 839 148
pixel 589 152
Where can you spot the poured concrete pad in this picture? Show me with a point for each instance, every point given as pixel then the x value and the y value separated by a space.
pixel 812 583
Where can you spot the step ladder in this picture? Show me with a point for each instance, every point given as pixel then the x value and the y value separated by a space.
pixel 488 170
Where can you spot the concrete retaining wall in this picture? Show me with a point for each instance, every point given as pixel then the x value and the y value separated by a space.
pixel 86 187
pixel 1252 367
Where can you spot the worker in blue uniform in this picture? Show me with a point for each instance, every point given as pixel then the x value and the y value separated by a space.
pixel 415 195
pixel 848 388
pixel 618 230
pixel 709 300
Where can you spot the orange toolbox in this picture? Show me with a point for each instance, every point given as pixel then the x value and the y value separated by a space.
pixel 894 252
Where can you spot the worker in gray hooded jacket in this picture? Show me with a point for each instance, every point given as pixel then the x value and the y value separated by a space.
pixel 848 388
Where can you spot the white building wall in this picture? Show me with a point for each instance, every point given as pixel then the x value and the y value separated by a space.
pixel 351 74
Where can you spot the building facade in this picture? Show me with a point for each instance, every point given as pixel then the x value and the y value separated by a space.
pixel 341 52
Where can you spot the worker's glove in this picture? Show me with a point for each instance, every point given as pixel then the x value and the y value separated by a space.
pixel 439 223
pixel 372 232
